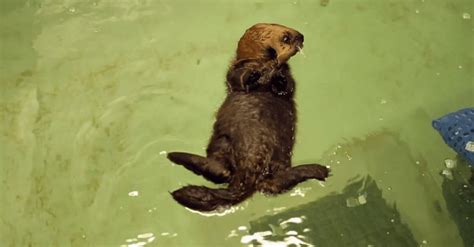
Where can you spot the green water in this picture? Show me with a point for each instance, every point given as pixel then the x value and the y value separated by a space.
pixel 93 92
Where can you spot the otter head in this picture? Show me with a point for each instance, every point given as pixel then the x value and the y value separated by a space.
pixel 269 41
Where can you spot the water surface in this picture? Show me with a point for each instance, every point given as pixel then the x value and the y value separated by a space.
pixel 93 93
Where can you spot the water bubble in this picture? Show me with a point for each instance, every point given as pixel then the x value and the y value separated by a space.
pixel 460 67
pixel 72 9
pixel 437 73
pixel 424 242
pixel 417 162
pixel 383 101
pixel 389 188
pixel 392 220
pixel 380 118
pixel 466 16
pixel 417 11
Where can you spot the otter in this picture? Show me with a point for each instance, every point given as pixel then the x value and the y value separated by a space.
pixel 253 136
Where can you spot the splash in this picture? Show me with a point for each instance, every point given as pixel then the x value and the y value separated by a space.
pixel 300 192
pixel 219 212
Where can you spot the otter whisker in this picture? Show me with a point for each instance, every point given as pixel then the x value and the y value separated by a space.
pixel 300 50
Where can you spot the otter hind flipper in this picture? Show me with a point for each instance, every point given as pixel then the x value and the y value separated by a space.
pixel 206 199
pixel 285 180
pixel 210 169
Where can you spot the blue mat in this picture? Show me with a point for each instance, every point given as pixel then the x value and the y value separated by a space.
pixel 457 130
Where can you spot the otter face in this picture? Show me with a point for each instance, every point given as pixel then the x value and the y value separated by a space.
pixel 271 41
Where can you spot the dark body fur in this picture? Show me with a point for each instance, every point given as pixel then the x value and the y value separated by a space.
pixel 252 141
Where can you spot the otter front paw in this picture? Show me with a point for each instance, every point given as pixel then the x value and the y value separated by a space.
pixel 251 80
pixel 279 84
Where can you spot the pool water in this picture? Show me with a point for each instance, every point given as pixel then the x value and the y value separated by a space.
pixel 94 93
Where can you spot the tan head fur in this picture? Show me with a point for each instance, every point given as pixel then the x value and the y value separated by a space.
pixel 269 41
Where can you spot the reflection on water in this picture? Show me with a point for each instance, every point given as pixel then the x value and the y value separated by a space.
pixel 291 238
pixel 140 240
pixel 94 92
pixel 330 222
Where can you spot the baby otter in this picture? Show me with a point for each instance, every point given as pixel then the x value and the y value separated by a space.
pixel 253 136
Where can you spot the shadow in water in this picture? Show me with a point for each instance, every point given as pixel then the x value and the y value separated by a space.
pixel 359 216
pixel 459 195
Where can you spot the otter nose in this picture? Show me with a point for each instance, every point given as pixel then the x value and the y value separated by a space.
pixel 300 37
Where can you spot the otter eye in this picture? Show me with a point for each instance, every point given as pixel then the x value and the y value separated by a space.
pixel 286 39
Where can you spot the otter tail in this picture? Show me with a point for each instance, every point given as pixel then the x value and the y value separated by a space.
pixel 202 198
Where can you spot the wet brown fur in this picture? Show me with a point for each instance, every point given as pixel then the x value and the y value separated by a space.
pixel 253 136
